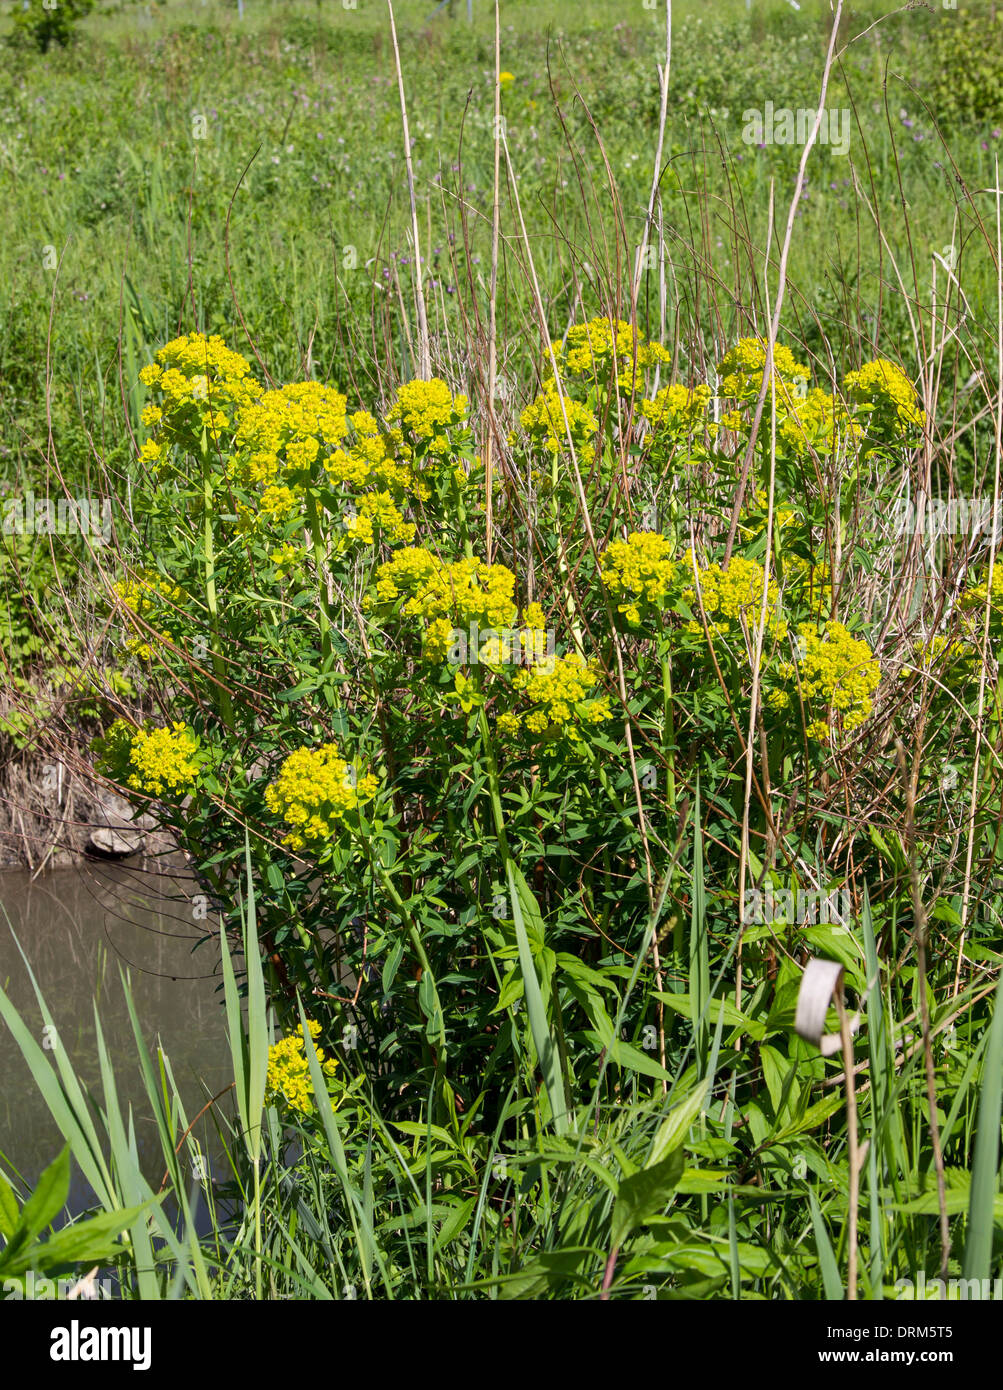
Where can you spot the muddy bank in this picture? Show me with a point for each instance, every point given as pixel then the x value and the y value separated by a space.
pixel 54 813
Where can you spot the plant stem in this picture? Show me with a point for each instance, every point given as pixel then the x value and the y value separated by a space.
pixel 854 1151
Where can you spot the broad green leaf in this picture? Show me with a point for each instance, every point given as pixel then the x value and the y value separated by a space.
pixel 523 905
pixel 8 1209
pixel 985 1166
pixel 674 1128
pixel 644 1194
pixel 48 1198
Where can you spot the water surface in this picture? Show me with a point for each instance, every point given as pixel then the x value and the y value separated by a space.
pixel 77 928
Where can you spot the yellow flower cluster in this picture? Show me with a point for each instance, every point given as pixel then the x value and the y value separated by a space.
pixel 838 669
pixel 427 411
pixel 638 571
pixel 732 595
pixel 288 1077
pixel 816 422
pixel 883 390
pixel 544 422
pixel 559 691
pixel 953 661
pixel 315 792
pixel 153 761
pixel 197 380
pixel 164 759
pixel 285 558
pixel 143 596
pixel 366 457
pixel 279 439
pixel 448 595
pixel 975 596
pixel 603 346
pixel 741 368
pixel 378 509
pixel 677 410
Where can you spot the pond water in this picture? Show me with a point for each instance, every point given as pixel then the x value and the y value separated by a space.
pixel 77 927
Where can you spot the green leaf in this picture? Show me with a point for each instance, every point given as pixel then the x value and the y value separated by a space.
pixel 719 1010
pixel 985 1166
pixel 523 906
pixel 8 1208
pixel 831 1281
pixel 92 1242
pixel 674 1128
pixel 48 1198
pixel 390 966
pixel 644 1194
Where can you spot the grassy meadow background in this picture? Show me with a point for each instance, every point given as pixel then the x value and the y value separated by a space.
pixel 589 1086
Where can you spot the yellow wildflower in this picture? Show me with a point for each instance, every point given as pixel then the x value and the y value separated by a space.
pixel 733 595
pixel 884 392
pixel 638 571
pixel 741 369
pixel 316 792
pixel 288 1077
pixel 840 671
pixel 544 422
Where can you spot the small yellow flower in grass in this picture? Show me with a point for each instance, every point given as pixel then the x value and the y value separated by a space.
pixel 467 693
pixel 285 558
pixel 146 594
pixel 448 595
pixel 283 438
pixel 975 596
pixel 316 793
pixel 816 422
pixel 559 692
pixel 507 725
pixel 730 420
pixel 677 409
pixel 505 79
pixel 544 422
pixel 288 1079
pixel 378 510
pixel 198 380
pixel 604 347
pixel 164 759
pixel 278 502
pixel 426 411
pixel 949 662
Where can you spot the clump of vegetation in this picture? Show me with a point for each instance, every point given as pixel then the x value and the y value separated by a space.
pixel 42 23
pixel 543 676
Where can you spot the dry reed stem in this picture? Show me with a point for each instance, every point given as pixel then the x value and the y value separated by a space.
pixel 424 353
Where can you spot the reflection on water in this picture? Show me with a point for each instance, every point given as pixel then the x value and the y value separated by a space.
pixel 77 927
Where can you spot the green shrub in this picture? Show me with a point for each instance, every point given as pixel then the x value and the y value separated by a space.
pixel 45 24
pixel 966 67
